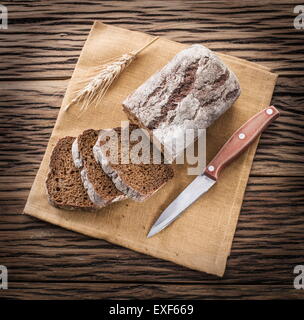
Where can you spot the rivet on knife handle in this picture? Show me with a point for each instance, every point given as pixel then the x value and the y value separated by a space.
pixel 240 140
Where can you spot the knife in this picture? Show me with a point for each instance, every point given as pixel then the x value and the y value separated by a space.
pixel 237 143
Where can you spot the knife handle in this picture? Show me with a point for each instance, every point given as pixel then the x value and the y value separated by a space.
pixel 240 141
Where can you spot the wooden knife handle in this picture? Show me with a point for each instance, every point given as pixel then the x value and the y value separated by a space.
pixel 240 140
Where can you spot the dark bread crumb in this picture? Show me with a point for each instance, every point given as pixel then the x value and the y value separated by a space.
pixel 103 185
pixel 64 185
pixel 144 179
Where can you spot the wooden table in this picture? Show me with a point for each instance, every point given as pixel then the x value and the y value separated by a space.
pixel 38 54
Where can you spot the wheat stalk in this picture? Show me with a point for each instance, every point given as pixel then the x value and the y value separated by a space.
pixel 97 87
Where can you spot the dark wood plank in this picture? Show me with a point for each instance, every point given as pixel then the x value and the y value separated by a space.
pixel 44 38
pixel 29 109
pixel 266 246
pixel 33 290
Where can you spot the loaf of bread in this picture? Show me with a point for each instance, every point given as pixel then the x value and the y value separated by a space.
pixel 190 92
pixel 64 186
pixel 140 178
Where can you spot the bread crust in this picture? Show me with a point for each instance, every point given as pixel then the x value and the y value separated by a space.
pixel 190 92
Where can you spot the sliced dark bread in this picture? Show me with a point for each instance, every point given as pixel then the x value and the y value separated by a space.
pixel 100 188
pixel 64 186
pixel 137 181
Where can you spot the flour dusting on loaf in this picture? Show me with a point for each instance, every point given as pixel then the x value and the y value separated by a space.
pixel 190 92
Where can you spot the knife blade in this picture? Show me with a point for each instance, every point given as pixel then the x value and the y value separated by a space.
pixel 237 143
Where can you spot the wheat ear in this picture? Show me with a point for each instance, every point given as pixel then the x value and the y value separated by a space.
pixel 95 90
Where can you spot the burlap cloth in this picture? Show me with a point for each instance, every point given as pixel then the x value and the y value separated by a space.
pixel 201 239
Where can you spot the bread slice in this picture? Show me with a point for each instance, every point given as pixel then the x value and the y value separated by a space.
pixel 190 92
pixel 64 186
pixel 100 188
pixel 137 181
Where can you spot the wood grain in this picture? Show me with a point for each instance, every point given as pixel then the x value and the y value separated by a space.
pixel 44 38
pixel 53 290
pixel 38 54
